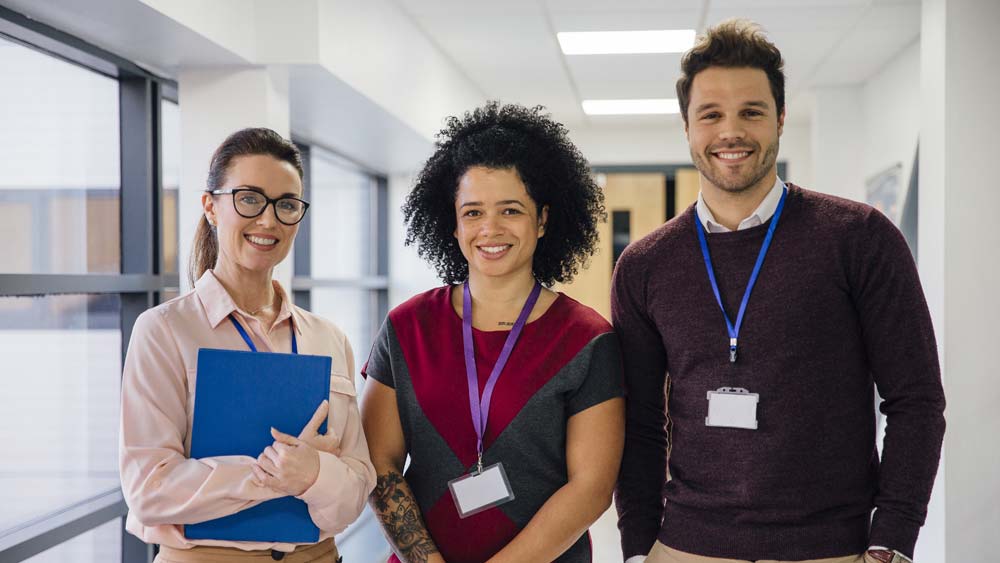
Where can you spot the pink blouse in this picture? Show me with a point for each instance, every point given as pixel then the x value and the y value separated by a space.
pixel 162 486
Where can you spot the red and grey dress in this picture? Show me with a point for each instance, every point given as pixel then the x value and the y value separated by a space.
pixel 566 361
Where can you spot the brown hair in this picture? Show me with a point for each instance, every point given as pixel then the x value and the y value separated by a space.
pixel 733 43
pixel 245 142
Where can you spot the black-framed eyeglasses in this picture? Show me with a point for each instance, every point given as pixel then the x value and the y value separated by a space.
pixel 251 203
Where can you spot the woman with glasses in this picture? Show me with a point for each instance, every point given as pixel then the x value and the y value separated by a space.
pixel 505 395
pixel 251 211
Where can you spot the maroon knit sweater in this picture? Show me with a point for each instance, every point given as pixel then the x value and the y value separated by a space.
pixel 837 311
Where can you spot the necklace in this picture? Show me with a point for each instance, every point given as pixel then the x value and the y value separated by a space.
pixel 262 308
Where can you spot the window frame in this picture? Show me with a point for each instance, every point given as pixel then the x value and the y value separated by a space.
pixel 141 282
pixel 376 279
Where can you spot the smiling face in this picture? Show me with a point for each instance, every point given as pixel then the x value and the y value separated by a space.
pixel 733 128
pixel 260 243
pixel 497 223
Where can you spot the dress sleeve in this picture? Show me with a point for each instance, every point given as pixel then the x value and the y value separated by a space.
pixel 160 483
pixel 604 374
pixel 379 364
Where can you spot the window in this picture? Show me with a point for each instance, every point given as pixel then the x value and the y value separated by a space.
pixel 90 239
pixel 59 175
pixel 341 273
pixel 340 262
pixel 170 118
pixel 102 543
pixel 60 411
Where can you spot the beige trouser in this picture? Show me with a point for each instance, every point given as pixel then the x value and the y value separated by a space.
pixel 663 554
pixel 322 552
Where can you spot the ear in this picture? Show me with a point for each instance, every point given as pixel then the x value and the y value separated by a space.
pixel 781 121
pixel 208 206
pixel 543 219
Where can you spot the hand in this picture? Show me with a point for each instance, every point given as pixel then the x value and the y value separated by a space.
pixel 288 465
pixel 291 465
pixel 310 433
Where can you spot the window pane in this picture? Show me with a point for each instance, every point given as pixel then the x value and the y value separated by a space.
pixel 341 218
pixel 170 118
pixel 59 175
pixel 351 310
pixel 58 402
pixel 100 545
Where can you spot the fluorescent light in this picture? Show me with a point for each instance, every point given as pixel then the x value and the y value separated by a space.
pixel 625 42
pixel 631 107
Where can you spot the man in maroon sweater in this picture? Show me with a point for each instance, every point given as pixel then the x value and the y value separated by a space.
pixel 770 314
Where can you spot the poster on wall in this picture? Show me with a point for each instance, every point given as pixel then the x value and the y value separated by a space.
pixel 885 190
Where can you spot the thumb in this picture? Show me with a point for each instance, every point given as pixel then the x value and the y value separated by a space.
pixel 317 420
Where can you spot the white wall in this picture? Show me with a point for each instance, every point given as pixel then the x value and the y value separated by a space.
pixel 891 108
pixel 959 258
pixel 665 143
pixel 409 275
pixel 838 141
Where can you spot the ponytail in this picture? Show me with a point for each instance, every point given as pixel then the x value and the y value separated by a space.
pixel 204 251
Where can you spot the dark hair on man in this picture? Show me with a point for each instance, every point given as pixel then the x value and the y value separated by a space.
pixel 553 170
pixel 733 43
pixel 245 142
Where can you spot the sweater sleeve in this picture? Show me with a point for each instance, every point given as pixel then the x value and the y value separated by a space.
pixel 902 355
pixel 638 494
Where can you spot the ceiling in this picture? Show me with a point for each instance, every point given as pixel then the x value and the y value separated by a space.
pixel 509 49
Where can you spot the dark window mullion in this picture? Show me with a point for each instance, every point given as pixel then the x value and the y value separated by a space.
pixel 380 230
pixel 141 223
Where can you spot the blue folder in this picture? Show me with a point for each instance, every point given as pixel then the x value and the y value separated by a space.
pixel 239 396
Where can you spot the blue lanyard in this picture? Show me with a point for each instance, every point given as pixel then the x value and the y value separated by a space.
pixel 246 337
pixel 734 331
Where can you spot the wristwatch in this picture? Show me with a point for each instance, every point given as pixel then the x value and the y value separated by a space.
pixel 888 556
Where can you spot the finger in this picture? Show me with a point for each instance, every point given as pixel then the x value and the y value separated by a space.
pixel 271 455
pixel 283 449
pixel 267 465
pixel 280 436
pixel 318 417
pixel 272 482
pixel 259 475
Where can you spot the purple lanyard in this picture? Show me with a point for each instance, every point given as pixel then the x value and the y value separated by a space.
pixel 481 407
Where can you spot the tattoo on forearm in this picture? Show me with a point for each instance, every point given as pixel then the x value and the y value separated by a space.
pixel 393 502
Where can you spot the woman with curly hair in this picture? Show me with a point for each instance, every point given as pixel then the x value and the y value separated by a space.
pixel 506 396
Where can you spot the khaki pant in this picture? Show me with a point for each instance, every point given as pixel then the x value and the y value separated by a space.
pixel 663 554
pixel 322 552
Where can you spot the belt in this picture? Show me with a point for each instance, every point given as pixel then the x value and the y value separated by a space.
pixel 279 555
pixel 213 554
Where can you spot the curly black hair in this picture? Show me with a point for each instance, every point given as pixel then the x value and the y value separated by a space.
pixel 553 170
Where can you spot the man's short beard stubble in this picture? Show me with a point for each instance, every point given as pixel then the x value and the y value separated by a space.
pixel 739 185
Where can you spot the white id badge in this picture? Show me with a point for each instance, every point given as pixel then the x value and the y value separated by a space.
pixel 475 492
pixel 732 407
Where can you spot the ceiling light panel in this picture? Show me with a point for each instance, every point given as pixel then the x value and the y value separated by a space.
pixel 625 42
pixel 650 106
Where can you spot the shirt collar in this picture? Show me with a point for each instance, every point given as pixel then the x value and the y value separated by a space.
pixel 759 216
pixel 219 304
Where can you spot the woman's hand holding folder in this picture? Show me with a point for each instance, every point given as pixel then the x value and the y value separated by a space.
pixel 291 465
